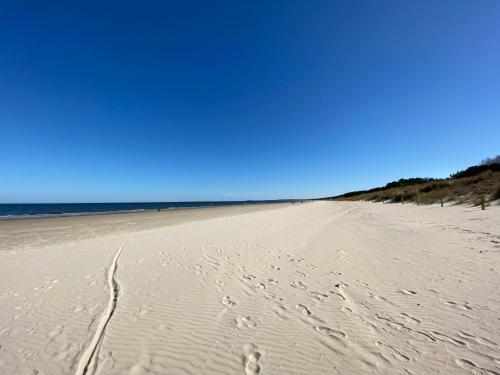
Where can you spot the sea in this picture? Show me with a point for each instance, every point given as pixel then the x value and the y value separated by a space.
pixel 39 210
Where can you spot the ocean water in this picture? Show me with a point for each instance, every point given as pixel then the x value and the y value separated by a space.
pixel 29 210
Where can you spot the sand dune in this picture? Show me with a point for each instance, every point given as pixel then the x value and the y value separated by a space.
pixel 316 288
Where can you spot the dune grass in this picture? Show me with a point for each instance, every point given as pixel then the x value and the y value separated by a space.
pixel 465 190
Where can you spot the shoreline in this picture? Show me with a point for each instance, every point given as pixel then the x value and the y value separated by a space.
pixel 21 233
pixel 167 206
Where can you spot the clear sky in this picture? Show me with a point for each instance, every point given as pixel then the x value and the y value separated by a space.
pixel 192 100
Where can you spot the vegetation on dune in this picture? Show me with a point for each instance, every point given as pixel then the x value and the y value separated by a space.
pixel 478 185
pixel 489 161
pixel 476 169
pixel 391 185
pixel 496 193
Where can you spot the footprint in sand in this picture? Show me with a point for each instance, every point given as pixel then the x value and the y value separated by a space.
pixel 304 310
pixel 337 335
pixel 245 322
pixel 261 286
pixel 280 310
pixel 164 258
pixel 107 364
pixel 363 284
pixel 459 306
pixel 139 369
pixel 319 296
pixel 395 353
pixel 78 308
pixel 228 302
pixel 479 340
pixel 340 295
pixel 298 284
pixel 469 365
pixel 251 359
pixel 334 273
pixel 140 312
pixel 407 292
pixel 409 318
pixel 443 337
pixel 56 331
pixel 340 284
pixel 466 364
pixel 378 298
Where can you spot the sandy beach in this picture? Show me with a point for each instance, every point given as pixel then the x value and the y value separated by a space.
pixel 313 288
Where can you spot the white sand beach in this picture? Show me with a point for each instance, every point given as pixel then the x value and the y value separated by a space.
pixel 313 288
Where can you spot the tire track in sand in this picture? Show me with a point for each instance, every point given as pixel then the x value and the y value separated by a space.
pixel 87 363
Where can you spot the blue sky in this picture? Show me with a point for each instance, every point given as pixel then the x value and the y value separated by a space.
pixel 242 100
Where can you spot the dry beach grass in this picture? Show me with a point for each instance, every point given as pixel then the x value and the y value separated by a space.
pixel 467 190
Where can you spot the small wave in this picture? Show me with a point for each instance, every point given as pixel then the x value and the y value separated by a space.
pixel 69 214
pixel 44 210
